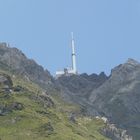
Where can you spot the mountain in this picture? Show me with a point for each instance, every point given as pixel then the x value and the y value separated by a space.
pixel 82 83
pixel 14 60
pixel 119 97
pixel 77 88
pixel 35 105
pixel 116 97
pixel 31 106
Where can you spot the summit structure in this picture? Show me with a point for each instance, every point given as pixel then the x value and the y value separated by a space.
pixel 73 69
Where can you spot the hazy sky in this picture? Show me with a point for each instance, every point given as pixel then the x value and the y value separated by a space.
pixel 107 32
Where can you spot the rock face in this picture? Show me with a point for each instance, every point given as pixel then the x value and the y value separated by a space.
pixel 119 97
pixel 6 85
pixel 13 59
pixel 115 134
pixel 5 82
pixel 43 99
pixel 77 88
pixel 82 84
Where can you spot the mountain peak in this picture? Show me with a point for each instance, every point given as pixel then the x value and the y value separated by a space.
pixel 132 62
pixel 129 66
pixel 15 60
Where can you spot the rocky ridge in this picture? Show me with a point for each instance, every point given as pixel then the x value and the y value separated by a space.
pixel 119 97
pixel 14 60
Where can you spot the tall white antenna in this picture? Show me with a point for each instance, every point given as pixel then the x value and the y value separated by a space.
pixel 74 68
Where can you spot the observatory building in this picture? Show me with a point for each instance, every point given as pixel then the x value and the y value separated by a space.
pixel 73 69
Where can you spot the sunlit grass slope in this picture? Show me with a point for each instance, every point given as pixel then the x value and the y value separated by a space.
pixel 45 118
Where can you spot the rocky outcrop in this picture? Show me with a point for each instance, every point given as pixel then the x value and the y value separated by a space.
pixel 43 99
pixel 14 60
pixel 7 108
pixel 6 87
pixel 114 133
pixel 80 86
pixel 5 82
pixel 97 79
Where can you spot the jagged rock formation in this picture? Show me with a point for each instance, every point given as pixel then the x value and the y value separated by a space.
pixel 77 89
pixel 97 79
pixel 6 86
pixel 80 85
pixel 119 97
pixel 115 134
pixel 5 82
pixel 14 60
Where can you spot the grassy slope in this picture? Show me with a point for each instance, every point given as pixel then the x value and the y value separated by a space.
pixel 36 122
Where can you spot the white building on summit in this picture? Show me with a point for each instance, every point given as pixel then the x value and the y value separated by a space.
pixel 72 70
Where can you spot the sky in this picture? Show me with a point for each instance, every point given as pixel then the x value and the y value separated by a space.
pixel 106 32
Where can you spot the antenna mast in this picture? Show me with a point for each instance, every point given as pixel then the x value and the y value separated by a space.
pixel 74 68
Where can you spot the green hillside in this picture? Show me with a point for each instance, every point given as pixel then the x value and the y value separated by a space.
pixel 27 113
